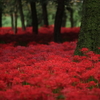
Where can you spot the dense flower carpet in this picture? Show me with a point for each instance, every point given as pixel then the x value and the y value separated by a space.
pixel 33 67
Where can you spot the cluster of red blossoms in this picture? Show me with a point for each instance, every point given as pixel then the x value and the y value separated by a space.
pixel 48 72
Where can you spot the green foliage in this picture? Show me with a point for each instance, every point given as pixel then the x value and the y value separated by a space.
pixel 25 83
pixel 62 97
pixel 92 79
pixel 56 90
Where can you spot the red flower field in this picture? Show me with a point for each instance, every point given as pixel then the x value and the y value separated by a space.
pixel 33 67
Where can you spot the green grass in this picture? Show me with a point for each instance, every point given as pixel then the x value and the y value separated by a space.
pixel 6 22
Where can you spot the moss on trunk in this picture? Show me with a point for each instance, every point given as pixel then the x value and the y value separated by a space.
pixel 89 36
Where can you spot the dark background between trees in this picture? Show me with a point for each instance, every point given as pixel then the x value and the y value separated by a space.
pixel 37 12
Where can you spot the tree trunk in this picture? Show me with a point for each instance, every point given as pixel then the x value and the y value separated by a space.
pixel 71 16
pixel 64 19
pixel 58 21
pixel 15 22
pixel 21 14
pixel 89 36
pixel 12 20
pixel 34 17
pixel 1 16
pixel 45 14
pixel 28 16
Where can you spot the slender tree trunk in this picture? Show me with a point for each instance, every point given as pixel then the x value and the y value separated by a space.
pixel 15 22
pixel 34 17
pixel 89 36
pixel 64 19
pixel 12 20
pixel 45 14
pixel 0 16
pixel 29 17
pixel 58 21
pixel 21 14
pixel 71 16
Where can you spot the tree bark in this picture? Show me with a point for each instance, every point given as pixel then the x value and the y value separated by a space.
pixel 89 36
pixel 28 16
pixel 64 19
pixel 71 16
pixel 15 22
pixel 45 14
pixel 12 20
pixel 34 17
pixel 58 21
pixel 0 15
pixel 21 14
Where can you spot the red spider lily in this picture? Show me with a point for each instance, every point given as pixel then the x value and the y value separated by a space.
pixel 46 72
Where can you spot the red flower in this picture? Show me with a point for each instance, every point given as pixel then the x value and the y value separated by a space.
pixel 84 50
pixel 2 85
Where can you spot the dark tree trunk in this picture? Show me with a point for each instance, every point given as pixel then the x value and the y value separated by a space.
pixel 71 16
pixel 28 17
pixel 21 14
pixel 0 16
pixel 89 36
pixel 12 20
pixel 64 19
pixel 45 14
pixel 15 22
pixel 58 21
pixel 34 17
